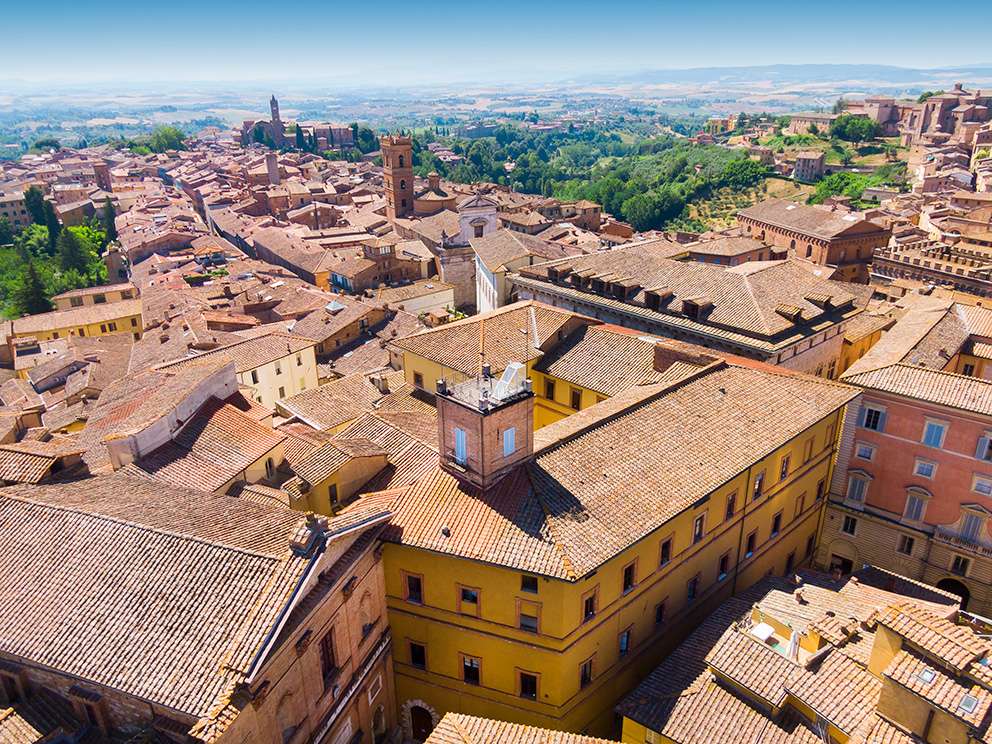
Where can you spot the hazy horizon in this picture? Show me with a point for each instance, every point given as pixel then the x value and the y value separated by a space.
pixel 413 44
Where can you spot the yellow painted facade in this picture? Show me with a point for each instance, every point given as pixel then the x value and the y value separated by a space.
pixel 125 324
pixel 425 373
pixel 343 483
pixel 488 630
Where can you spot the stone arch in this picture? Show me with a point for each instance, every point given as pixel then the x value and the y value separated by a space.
pixel 846 550
pixel 407 716
pixel 955 586
pixel 287 716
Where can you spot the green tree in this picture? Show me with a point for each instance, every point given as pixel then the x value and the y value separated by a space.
pixel 840 105
pixel 53 225
pixel 928 94
pixel 34 201
pixel 6 230
pixel 813 129
pixel 109 220
pixel 31 298
pixel 46 143
pixel 743 174
pixel 300 143
pixel 71 253
pixel 640 212
pixel 167 138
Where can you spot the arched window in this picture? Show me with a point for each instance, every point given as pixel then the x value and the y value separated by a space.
pixel 287 717
pixel 401 161
pixel 402 184
pixel 404 203
pixel 367 613
pixel 809 251
pixel 792 245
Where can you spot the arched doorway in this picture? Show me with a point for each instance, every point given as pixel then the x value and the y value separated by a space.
pixel 956 587
pixel 421 722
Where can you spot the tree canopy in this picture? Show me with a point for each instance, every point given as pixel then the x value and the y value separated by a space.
pixel 167 138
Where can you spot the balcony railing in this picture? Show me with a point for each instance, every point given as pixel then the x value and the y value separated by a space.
pixel 952 538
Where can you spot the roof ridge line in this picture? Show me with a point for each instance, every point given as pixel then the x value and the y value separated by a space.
pixel 555 537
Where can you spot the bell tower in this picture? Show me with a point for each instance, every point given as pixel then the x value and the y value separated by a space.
pixel 278 130
pixel 397 175
pixel 485 425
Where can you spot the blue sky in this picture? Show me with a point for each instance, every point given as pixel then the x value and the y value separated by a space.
pixel 449 41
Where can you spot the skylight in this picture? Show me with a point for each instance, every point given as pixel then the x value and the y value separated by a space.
pixel 927 675
pixel 968 704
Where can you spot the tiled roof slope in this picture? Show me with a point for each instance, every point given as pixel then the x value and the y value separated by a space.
pixel 744 298
pixel 943 388
pixel 503 246
pixel 594 493
pixel 212 448
pixel 457 728
pixel 686 702
pixel 806 219
pixel 603 358
pixel 210 574
pixel 505 335
pixel 337 402
pixel 250 353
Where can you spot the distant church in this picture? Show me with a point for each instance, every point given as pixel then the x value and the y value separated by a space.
pixel 256 130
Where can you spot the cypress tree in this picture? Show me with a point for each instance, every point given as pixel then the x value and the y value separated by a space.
pixel 300 144
pixel 54 227
pixel 31 298
pixel 109 220
pixel 71 253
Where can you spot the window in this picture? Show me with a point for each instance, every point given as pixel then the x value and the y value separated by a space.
pixel 971 526
pixel 871 418
pixel 134 322
pixel 529 620
pixel 75 301
pixel 724 565
pixel 784 471
pixel 418 655
pixel 586 673
pixel 468 600
pixel 10 689
pixel 924 468
pixel 299 360
pixel 270 468
pixel 819 489
pixel 624 643
pixel 984 450
pixel 752 541
pixel 527 684
pixel 776 524
pixel 576 398
pixel 759 484
pixel 660 612
pixel 864 451
pixel 402 184
pixel 254 377
pixel 914 508
pixel 509 444
pixel 982 485
pixel 471 670
pixel 692 589
pixel 589 604
pixel 850 524
pixel 549 389
pixel 808 450
pixel 731 505
pixel 99 299
pixel 282 392
pixel 698 528
pixel 960 565
pixel 418 380
pixel 856 488
pixel 278 368
pixel 800 505
pixel 629 577
pixel 666 552
pixel 328 662
pixel 528 584
pixel 933 434
pixel 103 329
pixel 460 456
pixel 810 545
pixel 968 370
pixel 906 544
pixel 414 588
pixel 478 230
pixel 790 561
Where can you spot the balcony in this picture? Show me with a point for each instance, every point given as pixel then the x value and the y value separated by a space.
pixel 961 543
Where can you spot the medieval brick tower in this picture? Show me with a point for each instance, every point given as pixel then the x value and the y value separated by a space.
pixel 278 130
pixel 397 173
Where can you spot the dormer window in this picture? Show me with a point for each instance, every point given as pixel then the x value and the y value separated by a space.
pixel 690 309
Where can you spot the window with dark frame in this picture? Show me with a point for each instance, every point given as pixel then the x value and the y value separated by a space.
pixel 549 389
pixel 698 528
pixel 528 584
pixel 752 541
pixel 528 686
pixel 776 524
pixel 759 484
pixel 724 565
pixel 810 545
pixel 692 589
pixel 666 552
pixel 629 577
pixel 589 607
pixel 328 661
pixel 660 612
pixel 418 655
pixel 624 643
pixel 585 674
pixel 414 589
pixel 731 505
pixel 471 673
